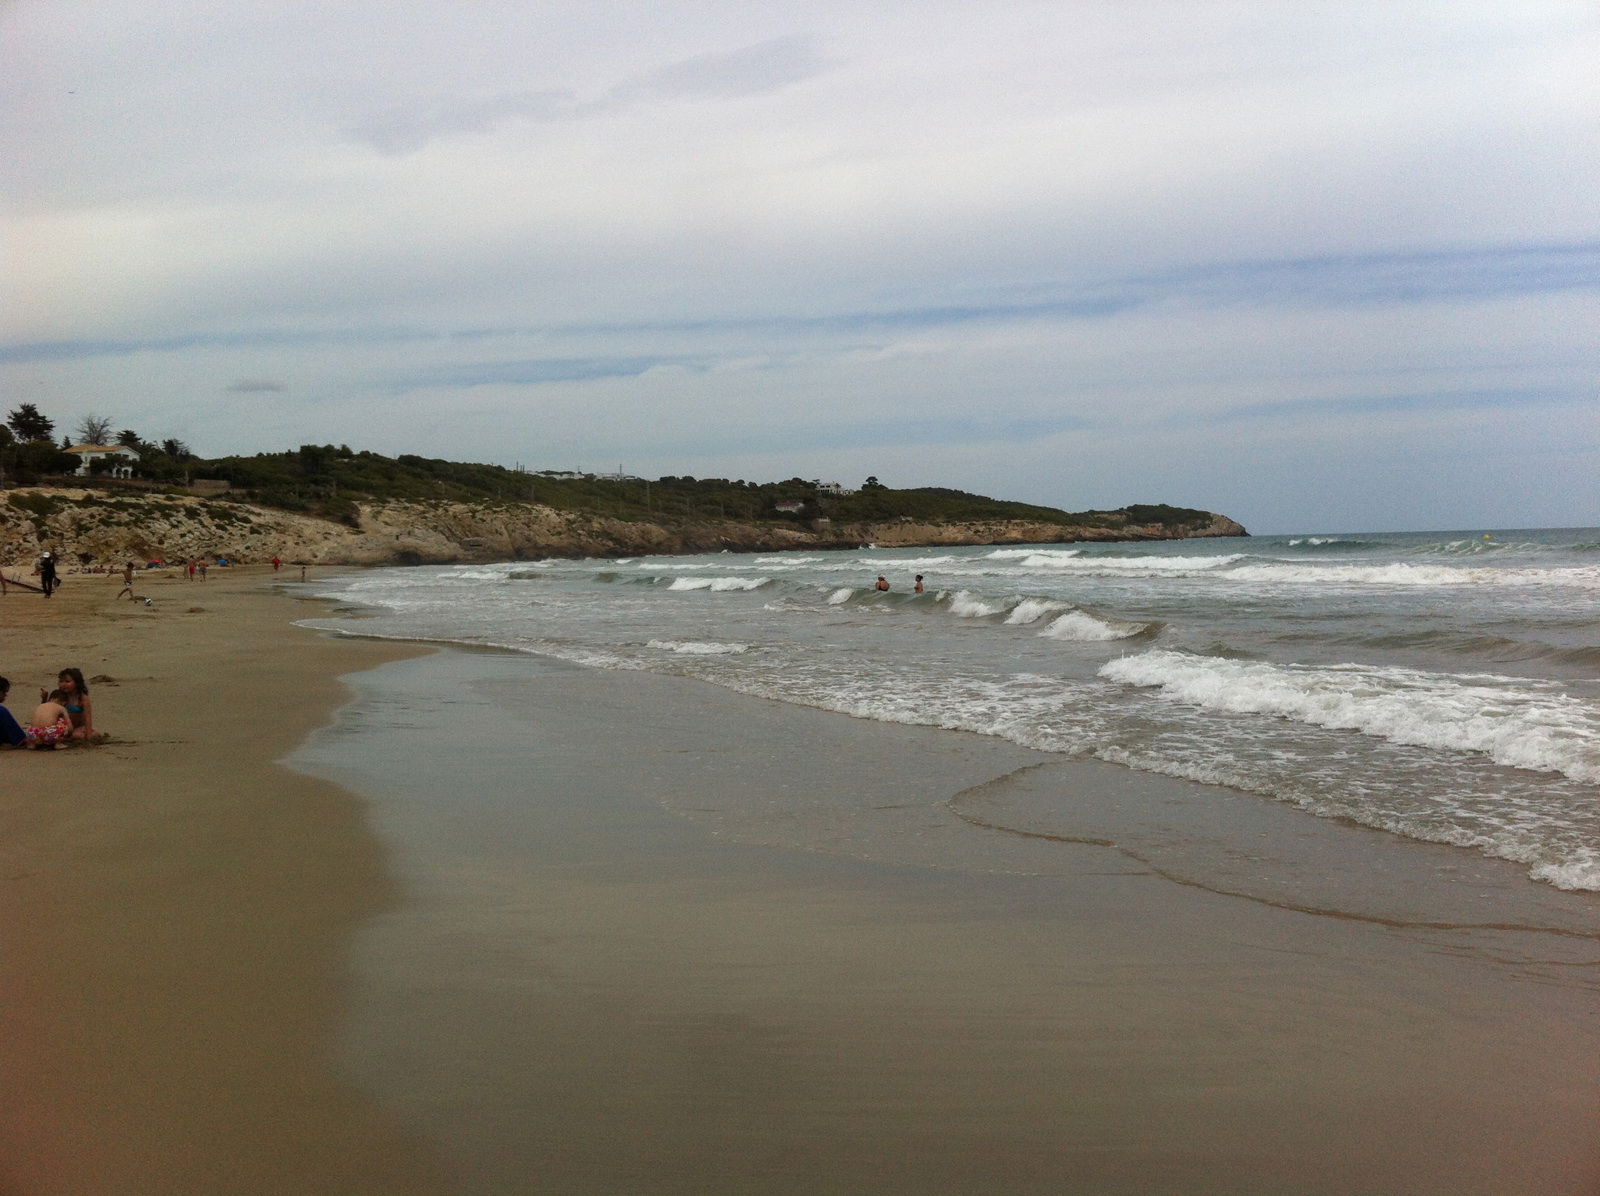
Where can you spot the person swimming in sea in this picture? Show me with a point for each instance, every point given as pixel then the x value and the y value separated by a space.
pixel 883 582
pixel 918 588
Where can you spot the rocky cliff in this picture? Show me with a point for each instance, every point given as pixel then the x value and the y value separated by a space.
pixel 99 528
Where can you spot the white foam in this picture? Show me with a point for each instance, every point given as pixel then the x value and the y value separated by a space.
pixel 1114 566
pixel 1515 722
pixel 1582 872
pixel 1030 610
pixel 839 597
pixel 1082 626
pixel 718 584
pixel 698 647
pixel 1022 554
pixel 1415 575
pixel 970 606
pixel 910 562
pixel 774 561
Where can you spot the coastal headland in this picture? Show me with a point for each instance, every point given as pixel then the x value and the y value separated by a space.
pixel 102 528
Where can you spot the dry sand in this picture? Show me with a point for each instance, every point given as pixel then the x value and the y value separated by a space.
pixel 177 907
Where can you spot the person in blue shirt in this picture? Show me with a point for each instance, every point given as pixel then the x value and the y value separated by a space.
pixel 10 731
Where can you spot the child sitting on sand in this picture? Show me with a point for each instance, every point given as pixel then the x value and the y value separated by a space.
pixel 80 711
pixel 50 723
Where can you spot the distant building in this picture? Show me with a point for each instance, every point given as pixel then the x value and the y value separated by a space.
pixel 121 457
pixel 789 506
pixel 833 488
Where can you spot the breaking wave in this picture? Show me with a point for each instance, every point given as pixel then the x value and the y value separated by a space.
pixel 718 584
pixel 1512 721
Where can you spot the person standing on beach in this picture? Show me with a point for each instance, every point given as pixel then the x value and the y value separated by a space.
pixel 883 582
pixel 10 730
pixel 203 567
pixel 127 582
pixel 191 568
pixel 47 574
pixel 276 564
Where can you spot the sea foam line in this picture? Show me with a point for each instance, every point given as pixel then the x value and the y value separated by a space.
pixel 718 584
pixel 1514 723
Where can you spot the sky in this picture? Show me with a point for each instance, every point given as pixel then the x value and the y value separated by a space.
pixel 1319 267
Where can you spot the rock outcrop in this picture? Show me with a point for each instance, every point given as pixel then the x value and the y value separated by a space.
pixel 94 528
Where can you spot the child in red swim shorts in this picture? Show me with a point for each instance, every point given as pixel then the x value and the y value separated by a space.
pixel 50 723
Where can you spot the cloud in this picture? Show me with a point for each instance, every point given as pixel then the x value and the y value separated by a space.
pixel 249 386
pixel 1398 404
pixel 403 131
pixel 1386 280
pixel 760 69
pixel 535 372
pixel 754 70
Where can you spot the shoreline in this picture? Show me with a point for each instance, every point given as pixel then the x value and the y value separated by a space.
pixel 749 946
pixel 177 905
pixel 717 942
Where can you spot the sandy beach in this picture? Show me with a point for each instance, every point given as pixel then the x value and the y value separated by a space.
pixel 541 927
pixel 177 906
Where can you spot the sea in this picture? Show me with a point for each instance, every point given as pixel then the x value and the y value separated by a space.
pixel 1436 688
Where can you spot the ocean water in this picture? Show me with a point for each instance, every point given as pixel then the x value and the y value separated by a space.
pixel 1441 688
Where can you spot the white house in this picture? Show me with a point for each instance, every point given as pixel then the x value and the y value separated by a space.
pixel 122 459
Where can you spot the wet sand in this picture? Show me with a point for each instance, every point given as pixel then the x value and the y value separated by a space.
pixel 663 937
pixel 544 928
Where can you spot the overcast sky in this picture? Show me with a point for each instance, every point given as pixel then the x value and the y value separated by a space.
pixel 1317 266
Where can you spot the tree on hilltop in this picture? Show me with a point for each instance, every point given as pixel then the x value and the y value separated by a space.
pixel 93 429
pixel 28 424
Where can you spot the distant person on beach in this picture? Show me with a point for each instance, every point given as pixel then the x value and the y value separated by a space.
pixel 80 709
pixel 47 574
pixel 50 724
pixel 918 587
pixel 276 564
pixel 11 731
pixel 203 567
pixel 127 582
pixel 191 568
pixel 883 582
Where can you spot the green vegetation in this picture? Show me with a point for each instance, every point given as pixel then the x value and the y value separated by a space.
pixel 327 480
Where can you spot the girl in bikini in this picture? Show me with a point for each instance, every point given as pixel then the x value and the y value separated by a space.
pixel 79 708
